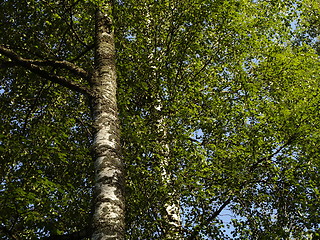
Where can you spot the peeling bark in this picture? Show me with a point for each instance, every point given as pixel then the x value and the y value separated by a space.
pixel 108 218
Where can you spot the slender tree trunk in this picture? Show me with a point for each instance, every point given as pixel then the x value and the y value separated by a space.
pixel 172 208
pixel 108 218
pixel 172 204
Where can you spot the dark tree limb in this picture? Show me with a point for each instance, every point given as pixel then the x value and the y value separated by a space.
pixel 59 64
pixel 267 158
pixel 214 215
pixel 34 66
pixel 63 64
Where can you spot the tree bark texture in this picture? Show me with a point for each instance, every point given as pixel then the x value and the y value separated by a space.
pixel 108 218
pixel 172 203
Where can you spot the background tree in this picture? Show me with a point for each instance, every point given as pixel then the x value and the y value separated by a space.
pixel 239 99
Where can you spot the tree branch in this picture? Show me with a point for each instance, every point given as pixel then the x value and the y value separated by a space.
pixel 61 64
pixel 261 160
pixel 209 219
pixel 33 66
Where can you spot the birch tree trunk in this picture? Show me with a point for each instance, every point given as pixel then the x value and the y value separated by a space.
pixel 172 207
pixel 108 218
pixel 172 203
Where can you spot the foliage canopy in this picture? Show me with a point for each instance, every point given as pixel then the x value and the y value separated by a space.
pixel 238 86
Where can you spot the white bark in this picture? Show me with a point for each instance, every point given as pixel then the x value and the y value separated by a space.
pixel 172 204
pixel 108 218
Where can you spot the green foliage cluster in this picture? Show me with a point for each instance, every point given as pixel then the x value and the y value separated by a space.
pixel 46 168
pixel 238 86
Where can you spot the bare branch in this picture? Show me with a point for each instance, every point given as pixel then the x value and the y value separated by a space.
pixel 33 66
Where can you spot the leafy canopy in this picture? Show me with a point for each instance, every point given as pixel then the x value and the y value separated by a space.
pixel 238 86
